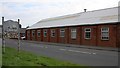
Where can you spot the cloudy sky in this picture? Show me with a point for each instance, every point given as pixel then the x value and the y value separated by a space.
pixel 32 11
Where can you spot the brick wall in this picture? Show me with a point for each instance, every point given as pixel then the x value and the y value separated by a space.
pixel 67 35
pixel 112 36
pixel 30 34
pixel 26 32
pixel 39 38
pixel 95 40
pixel 54 39
pixel 62 39
pixel 92 40
pixel 77 39
pixel 118 35
pixel 47 38
pixel 35 35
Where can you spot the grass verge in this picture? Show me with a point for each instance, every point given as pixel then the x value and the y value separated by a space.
pixel 13 58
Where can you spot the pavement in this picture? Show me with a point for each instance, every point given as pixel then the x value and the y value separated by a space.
pixel 77 46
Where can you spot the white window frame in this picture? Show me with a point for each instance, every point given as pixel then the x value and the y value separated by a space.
pixel 85 32
pixel 102 37
pixel 45 32
pixel 33 31
pixel 38 31
pixel 73 30
pixel 53 33
pixel 62 31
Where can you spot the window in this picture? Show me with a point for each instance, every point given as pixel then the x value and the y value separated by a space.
pixel 73 33
pixel 38 33
pixel 105 33
pixel 45 33
pixel 52 33
pixel 87 33
pixel 62 32
pixel 33 33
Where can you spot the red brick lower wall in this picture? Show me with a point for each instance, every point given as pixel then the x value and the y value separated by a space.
pixel 39 38
pixel 47 39
pixel 77 40
pixel 34 37
pixel 112 36
pixel 30 34
pixel 63 39
pixel 54 39
pixel 95 36
pixel 118 35
pixel 92 40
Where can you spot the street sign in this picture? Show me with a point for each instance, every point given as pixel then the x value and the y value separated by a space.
pixel 10 29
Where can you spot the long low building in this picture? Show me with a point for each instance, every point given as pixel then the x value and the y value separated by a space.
pixel 93 28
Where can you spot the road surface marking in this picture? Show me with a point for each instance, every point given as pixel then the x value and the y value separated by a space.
pixel 86 52
pixel 78 51
pixel 71 50
pixel 94 53
pixel 63 49
pixel 46 47
pixel 40 46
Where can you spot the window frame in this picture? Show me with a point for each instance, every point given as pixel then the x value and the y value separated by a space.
pixel 33 32
pixel 85 32
pixel 62 31
pixel 52 31
pixel 104 32
pixel 73 33
pixel 45 32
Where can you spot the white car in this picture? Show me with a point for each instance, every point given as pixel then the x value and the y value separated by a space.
pixel 23 38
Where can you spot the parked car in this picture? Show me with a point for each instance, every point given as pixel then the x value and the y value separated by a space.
pixel 23 38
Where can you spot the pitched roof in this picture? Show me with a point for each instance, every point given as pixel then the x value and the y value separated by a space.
pixel 108 15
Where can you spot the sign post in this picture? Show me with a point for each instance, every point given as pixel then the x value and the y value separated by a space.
pixel 18 36
pixel 3 36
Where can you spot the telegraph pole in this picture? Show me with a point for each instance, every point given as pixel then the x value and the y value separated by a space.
pixel 3 36
pixel 18 36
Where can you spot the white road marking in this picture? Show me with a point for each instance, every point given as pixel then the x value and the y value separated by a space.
pixel 86 52
pixel 63 49
pixel 94 53
pixel 71 50
pixel 78 51
pixel 40 46
pixel 46 47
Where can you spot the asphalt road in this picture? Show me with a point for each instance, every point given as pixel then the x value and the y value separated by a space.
pixel 88 57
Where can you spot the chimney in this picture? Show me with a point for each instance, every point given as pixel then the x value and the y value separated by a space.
pixel 85 10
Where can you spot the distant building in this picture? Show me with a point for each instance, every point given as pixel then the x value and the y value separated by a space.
pixel 93 28
pixel 22 32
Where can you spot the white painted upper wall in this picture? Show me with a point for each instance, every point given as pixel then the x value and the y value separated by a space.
pixel 108 15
